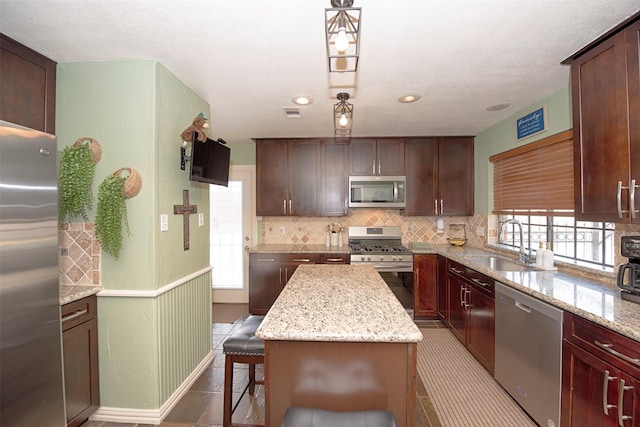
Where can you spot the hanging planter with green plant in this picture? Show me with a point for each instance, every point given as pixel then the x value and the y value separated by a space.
pixel 75 178
pixel 111 212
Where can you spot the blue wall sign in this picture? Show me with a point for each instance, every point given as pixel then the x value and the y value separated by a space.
pixel 532 123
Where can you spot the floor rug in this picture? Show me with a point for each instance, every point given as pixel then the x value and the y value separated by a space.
pixel 229 313
pixel 462 392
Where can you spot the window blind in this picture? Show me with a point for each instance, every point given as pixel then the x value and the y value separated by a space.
pixel 535 179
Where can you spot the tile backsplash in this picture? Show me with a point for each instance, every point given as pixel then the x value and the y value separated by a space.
pixel 312 230
pixel 79 254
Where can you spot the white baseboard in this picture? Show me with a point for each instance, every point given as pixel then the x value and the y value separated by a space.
pixel 151 416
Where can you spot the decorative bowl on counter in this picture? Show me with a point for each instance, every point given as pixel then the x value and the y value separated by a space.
pixel 456 241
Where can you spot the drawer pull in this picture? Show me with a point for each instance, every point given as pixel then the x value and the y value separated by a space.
pixel 266 260
pixel 72 316
pixel 301 260
pixel 605 393
pixel 621 389
pixel 608 348
pixel 455 270
pixel 334 260
pixel 481 283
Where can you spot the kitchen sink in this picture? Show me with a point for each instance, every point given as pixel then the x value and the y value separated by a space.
pixel 500 264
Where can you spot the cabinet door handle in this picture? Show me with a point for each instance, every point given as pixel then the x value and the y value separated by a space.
pixel 441 206
pixel 609 348
pixel 435 202
pixel 467 304
pixel 280 275
pixel 290 211
pixel 461 296
pixel 605 392
pixel 284 206
pixel 632 199
pixel 72 316
pixel 621 389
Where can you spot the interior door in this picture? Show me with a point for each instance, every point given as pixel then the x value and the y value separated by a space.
pixel 235 215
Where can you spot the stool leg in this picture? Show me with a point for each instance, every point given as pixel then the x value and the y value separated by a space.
pixel 252 379
pixel 228 390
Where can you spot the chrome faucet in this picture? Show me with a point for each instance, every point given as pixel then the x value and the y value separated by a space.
pixel 523 257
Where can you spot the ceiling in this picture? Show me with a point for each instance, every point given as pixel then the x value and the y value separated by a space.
pixel 249 58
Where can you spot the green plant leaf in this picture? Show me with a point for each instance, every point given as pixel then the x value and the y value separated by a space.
pixel 75 178
pixel 111 214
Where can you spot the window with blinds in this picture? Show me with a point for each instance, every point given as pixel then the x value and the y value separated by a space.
pixel 535 179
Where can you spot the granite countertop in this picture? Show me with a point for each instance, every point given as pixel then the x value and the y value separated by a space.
pixel 71 293
pixel 299 248
pixel 591 299
pixel 349 303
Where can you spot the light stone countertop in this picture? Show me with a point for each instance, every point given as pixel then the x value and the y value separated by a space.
pixel 591 299
pixel 71 293
pixel 348 303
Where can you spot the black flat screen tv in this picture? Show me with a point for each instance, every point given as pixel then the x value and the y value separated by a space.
pixel 210 162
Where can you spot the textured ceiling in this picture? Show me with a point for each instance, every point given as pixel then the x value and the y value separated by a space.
pixel 249 58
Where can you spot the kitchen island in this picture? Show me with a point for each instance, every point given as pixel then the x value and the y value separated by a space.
pixel 338 339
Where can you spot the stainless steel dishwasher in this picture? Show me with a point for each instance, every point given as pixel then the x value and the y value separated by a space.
pixel 528 357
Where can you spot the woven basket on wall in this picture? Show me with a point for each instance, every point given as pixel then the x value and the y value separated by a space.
pixel 132 182
pixel 94 147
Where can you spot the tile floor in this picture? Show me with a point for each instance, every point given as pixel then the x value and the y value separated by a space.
pixel 201 406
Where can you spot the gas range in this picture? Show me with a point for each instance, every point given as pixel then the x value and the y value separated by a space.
pixel 380 246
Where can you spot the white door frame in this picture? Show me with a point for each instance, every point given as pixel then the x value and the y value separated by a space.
pixel 243 173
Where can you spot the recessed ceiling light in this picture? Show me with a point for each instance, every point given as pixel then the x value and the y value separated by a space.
pixel 302 100
pixel 498 107
pixel 412 97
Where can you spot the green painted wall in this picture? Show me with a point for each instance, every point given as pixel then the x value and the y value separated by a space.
pixel 137 110
pixel 502 137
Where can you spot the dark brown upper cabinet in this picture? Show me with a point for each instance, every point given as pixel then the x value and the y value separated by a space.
pixel 605 85
pixel 383 156
pixel 439 175
pixel 27 87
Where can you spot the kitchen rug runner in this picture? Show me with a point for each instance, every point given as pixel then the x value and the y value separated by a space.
pixel 462 392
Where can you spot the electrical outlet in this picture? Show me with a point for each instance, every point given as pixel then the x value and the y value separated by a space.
pixel 200 220
pixel 480 231
pixel 164 222
pixel 282 229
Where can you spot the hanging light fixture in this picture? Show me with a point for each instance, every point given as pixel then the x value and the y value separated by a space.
pixel 342 23
pixel 342 115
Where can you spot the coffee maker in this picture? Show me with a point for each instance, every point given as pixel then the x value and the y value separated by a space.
pixel 629 273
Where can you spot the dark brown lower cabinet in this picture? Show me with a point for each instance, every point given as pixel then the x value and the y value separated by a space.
pixel 425 278
pixel 471 311
pixel 600 376
pixel 80 351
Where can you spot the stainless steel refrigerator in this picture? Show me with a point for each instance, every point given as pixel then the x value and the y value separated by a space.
pixel 31 389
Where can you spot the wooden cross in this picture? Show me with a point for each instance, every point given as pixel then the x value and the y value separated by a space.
pixel 185 209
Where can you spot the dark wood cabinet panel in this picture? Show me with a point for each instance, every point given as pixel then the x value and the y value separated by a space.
pixel 268 275
pixel 335 179
pixel 304 177
pixel 421 167
pixel 439 175
pixel 27 86
pixel 472 311
pixel 605 84
pixel 376 157
pixel 455 176
pixel 425 277
pixel 600 381
pixel 443 293
pixel 80 350
pixel 272 177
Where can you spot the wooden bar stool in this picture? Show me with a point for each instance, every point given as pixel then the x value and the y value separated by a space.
pixel 297 416
pixel 241 347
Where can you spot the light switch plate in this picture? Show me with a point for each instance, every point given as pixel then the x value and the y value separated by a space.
pixel 200 220
pixel 164 222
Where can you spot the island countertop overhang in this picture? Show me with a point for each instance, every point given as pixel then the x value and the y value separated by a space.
pixel 346 303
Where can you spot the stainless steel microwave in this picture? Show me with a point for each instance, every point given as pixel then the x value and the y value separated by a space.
pixel 377 191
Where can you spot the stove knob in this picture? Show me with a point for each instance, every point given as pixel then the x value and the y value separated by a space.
pixel 399 258
pixel 362 258
pixel 381 258
pixel 368 258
